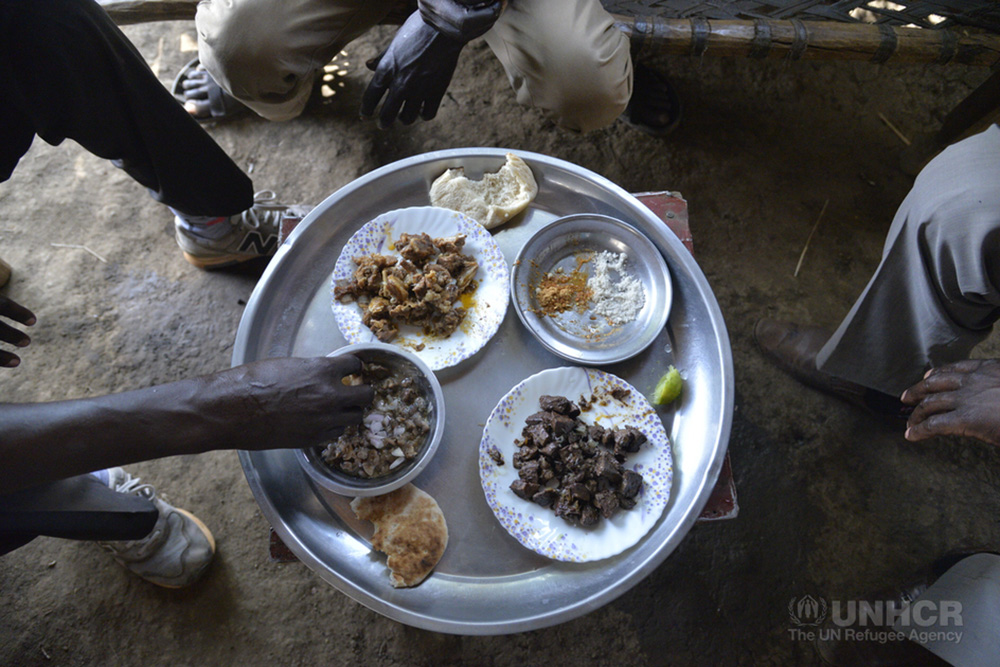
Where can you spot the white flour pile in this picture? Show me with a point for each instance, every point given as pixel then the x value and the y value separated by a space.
pixel 618 301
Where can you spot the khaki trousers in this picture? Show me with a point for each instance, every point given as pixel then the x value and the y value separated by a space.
pixel 563 57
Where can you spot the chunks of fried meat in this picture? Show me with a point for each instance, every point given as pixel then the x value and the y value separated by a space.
pixel 421 287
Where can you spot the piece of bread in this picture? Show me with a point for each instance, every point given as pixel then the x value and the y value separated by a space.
pixel 492 201
pixel 409 528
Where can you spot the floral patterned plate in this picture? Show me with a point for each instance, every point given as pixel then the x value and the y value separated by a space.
pixel 537 527
pixel 486 307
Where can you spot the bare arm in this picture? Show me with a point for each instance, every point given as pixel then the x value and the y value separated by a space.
pixel 278 403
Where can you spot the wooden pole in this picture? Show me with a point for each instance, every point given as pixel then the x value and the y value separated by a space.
pixel 809 40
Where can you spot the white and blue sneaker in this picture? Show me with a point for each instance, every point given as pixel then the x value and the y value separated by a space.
pixel 214 243
pixel 176 552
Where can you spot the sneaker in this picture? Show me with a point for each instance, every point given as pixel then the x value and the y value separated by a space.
pixel 252 234
pixel 176 552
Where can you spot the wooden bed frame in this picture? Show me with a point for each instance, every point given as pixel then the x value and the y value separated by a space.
pixel 795 30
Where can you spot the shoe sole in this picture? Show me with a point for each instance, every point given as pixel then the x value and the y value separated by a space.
pixel 211 541
pixel 210 263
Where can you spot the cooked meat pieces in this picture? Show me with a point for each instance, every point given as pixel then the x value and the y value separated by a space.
pixel 421 288
pixel 393 430
pixel 577 469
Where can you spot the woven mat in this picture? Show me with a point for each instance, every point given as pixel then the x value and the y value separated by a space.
pixel 923 13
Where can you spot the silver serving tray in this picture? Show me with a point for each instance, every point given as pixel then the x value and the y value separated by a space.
pixel 486 583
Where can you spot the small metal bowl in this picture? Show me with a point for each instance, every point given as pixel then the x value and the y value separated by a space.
pixel 564 245
pixel 340 482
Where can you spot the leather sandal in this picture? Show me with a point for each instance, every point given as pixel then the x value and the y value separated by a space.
pixel 793 348
pixel 654 107
pixel 205 99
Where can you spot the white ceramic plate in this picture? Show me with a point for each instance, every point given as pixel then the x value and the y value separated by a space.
pixel 538 528
pixel 489 301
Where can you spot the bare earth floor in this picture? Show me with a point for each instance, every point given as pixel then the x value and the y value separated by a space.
pixel 834 503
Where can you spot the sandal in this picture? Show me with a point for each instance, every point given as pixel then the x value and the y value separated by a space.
pixel 202 97
pixel 654 108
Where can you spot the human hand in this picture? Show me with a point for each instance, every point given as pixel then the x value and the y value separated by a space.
pixel 8 334
pixel 294 402
pixel 413 74
pixel 956 399
pixel 461 20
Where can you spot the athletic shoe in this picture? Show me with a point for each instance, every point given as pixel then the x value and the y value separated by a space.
pixel 176 552
pixel 252 234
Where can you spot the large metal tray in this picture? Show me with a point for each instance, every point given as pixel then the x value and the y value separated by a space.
pixel 486 583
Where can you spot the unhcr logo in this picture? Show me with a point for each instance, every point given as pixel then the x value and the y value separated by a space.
pixel 807 611
pixel 880 621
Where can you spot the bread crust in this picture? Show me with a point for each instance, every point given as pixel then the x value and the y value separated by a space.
pixel 492 201
pixel 410 529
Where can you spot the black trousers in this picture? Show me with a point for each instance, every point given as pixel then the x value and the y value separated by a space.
pixel 78 508
pixel 68 72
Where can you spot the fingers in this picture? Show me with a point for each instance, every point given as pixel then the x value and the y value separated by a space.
pixel 942 424
pixel 931 384
pixel 932 405
pixel 390 107
pixel 346 364
pixel 371 98
pixel 431 106
pixel 9 359
pixel 8 334
pixel 15 311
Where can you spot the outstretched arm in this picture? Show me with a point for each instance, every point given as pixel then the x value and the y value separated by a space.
pixel 956 399
pixel 278 403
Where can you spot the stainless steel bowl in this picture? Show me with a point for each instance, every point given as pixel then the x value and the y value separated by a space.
pixel 580 337
pixel 398 360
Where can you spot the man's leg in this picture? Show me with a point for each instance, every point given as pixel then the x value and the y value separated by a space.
pixel 936 292
pixel 266 53
pixel 163 544
pixel 958 617
pixel 78 508
pixel 934 296
pixel 66 71
pixel 565 58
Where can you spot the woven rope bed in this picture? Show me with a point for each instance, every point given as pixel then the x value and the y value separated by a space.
pixel 961 32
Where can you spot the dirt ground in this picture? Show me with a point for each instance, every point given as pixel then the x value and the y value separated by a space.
pixel 834 503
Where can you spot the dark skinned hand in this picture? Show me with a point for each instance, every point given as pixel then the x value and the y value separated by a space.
pixel 957 399
pixel 13 311
pixel 280 403
pixel 461 20
pixel 413 74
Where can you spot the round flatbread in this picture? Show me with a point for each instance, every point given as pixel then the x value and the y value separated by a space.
pixel 492 201
pixel 409 528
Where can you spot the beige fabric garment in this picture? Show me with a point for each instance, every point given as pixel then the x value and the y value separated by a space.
pixel 564 57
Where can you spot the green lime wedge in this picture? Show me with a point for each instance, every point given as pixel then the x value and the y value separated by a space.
pixel 668 388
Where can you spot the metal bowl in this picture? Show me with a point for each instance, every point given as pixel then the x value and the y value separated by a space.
pixel 564 246
pixel 399 360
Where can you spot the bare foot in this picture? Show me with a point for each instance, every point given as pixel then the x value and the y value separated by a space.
pixel 957 399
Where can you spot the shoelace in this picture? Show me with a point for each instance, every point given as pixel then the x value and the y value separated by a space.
pixel 140 549
pixel 135 486
pixel 265 210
